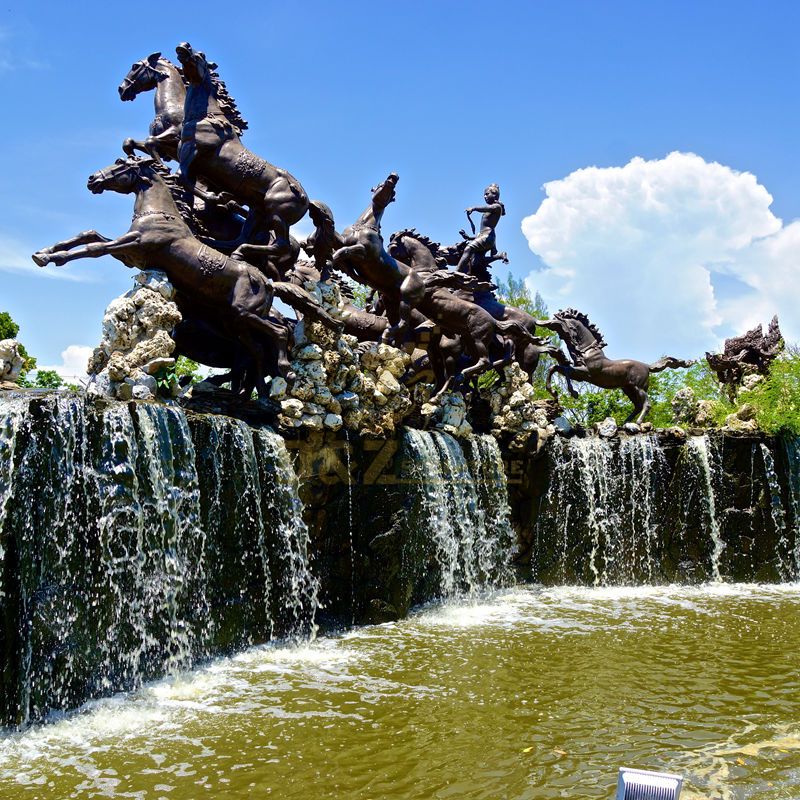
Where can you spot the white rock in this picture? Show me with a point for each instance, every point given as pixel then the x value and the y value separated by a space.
pixel 607 428
pixel 333 421
pixel 311 352
pixel 292 408
pixel 277 388
pixel 11 360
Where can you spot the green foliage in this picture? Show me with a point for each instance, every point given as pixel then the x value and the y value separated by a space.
pixel 488 379
pixel 776 400
pixel 8 328
pixel 168 378
pixel 48 379
pixel 700 379
pixel 186 367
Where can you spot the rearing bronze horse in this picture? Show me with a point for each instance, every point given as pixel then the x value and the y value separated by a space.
pixel 363 257
pixel 585 344
pixel 210 147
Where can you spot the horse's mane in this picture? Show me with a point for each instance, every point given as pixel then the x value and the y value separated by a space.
pixel 434 247
pixel 179 195
pixel 226 102
pixel 572 313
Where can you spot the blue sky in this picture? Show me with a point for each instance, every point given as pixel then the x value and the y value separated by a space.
pixel 453 96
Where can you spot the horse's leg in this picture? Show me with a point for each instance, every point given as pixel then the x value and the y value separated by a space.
pixel 528 359
pixel 128 241
pixel 641 403
pixel 130 146
pixel 251 300
pixel 343 253
pixel 477 350
pixel 82 238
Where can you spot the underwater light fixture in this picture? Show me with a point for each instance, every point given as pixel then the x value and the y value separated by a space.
pixel 641 784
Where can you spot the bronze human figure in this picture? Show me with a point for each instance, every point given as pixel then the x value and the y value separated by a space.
pixel 231 294
pixel 585 345
pixel 749 354
pixel 211 148
pixel 485 240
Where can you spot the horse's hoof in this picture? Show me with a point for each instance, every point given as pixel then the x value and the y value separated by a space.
pixel 41 259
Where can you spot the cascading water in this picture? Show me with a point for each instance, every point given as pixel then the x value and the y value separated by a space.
pixel 602 508
pixel 462 510
pixel 791 448
pixel 706 458
pixel 785 551
pixel 135 542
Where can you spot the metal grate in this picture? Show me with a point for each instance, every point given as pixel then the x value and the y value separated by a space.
pixel 641 784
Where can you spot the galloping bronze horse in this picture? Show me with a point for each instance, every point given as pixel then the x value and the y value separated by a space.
pixel 210 147
pixel 232 294
pixel 480 333
pixel 423 255
pixel 585 344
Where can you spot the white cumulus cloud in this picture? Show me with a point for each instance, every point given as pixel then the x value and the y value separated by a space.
pixel 666 256
pixel 73 363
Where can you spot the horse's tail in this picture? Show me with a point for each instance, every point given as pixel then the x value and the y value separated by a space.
pixel 302 301
pixel 670 362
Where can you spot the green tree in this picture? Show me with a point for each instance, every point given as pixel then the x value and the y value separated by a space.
pixel 48 379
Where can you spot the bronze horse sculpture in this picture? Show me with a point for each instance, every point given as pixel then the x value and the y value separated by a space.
pixel 233 294
pixel 480 333
pixel 211 148
pixel 363 257
pixel 425 256
pixel 585 345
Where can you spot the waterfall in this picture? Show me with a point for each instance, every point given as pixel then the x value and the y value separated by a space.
pixel 462 511
pixel 791 449
pixel 785 554
pixel 135 541
pixel 602 509
pixel 707 460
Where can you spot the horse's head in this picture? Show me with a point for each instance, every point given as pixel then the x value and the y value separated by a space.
pixel 123 176
pixel 320 214
pixel 143 76
pixel 577 331
pixel 398 246
pixel 384 193
pixel 196 68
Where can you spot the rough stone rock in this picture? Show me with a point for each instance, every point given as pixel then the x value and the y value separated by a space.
pixel 632 428
pixel 277 388
pixel 704 418
pixel 684 405
pixel 356 383
pixel 136 337
pixel 157 364
pixel 11 360
pixel 292 408
pixel 607 428
pixel 749 382
pixel 516 415
pixel 333 421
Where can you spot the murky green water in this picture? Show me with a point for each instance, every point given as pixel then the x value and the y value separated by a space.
pixel 533 694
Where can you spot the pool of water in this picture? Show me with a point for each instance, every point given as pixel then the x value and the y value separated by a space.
pixel 533 693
